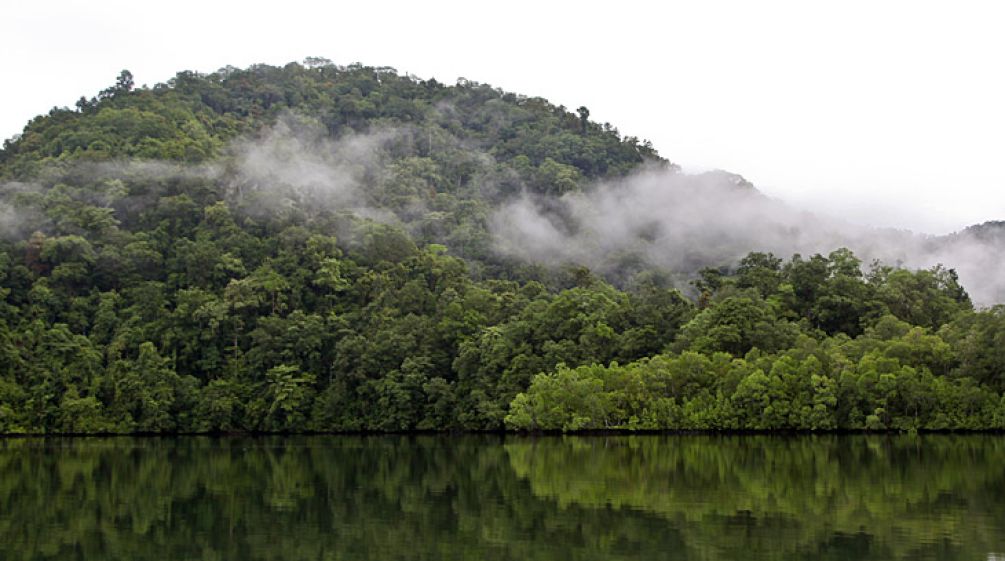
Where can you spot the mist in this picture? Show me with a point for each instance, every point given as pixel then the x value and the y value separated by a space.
pixel 684 222
pixel 295 165
pixel 658 216
pixel 289 167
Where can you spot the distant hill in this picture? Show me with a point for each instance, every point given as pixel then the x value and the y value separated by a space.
pixel 992 231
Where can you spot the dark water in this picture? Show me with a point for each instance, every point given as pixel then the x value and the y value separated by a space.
pixel 494 498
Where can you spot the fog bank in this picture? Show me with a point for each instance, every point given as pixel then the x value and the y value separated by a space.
pixel 684 222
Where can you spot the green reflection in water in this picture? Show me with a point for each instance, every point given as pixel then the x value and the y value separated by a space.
pixel 480 497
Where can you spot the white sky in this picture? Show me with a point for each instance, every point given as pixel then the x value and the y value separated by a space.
pixel 882 112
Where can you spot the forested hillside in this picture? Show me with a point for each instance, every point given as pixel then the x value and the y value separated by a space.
pixel 317 248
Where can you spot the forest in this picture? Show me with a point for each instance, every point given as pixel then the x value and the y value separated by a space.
pixel 311 248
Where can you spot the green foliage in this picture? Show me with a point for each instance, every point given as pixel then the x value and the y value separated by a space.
pixel 736 325
pixel 140 292
pixel 881 380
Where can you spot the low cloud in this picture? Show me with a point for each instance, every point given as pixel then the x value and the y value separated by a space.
pixel 294 165
pixel 657 217
pixel 684 222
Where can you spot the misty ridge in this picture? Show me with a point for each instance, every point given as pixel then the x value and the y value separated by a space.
pixel 657 216
pixel 685 222
pixel 672 220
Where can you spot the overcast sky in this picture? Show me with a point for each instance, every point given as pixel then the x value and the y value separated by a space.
pixel 887 113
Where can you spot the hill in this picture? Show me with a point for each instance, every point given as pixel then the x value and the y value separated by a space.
pixel 319 247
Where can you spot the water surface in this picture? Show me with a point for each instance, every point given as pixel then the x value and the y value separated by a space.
pixel 500 498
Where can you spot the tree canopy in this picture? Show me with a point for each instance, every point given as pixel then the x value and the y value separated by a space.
pixel 307 248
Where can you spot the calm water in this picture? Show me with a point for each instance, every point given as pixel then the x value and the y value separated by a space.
pixel 495 498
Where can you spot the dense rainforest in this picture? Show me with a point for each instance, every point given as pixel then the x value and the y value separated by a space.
pixel 311 248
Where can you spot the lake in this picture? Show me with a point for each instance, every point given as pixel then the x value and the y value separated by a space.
pixel 500 497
